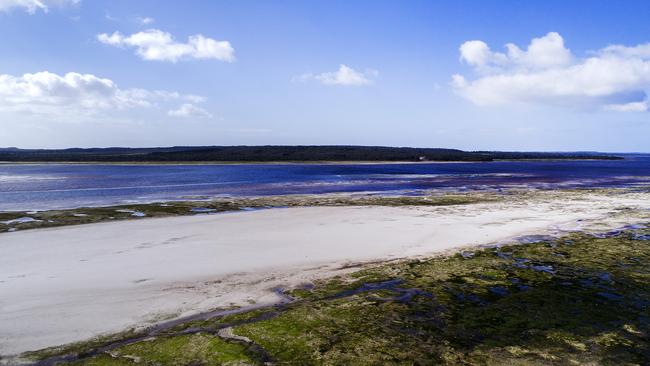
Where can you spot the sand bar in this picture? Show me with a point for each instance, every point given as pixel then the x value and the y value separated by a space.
pixel 67 284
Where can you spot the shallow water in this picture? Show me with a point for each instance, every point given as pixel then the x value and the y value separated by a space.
pixel 50 186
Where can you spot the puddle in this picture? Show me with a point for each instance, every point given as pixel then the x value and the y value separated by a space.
pixel 467 255
pixel 20 220
pixel 374 286
pixel 542 268
pixel 530 239
pixel 499 290
pixel 610 296
pixel 202 210
pixel 133 213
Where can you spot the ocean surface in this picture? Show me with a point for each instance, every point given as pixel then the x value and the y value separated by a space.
pixel 51 186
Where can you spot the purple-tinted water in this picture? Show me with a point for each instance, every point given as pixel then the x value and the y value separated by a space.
pixel 27 187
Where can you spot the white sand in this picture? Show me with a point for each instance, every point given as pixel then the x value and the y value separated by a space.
pixel 68 284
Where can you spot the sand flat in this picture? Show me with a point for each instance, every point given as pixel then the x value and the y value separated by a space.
pixel 67 284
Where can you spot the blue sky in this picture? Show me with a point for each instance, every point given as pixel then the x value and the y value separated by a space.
pixel 326 72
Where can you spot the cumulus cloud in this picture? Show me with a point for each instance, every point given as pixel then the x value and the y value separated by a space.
pixel 544 52
pixel 345 75
pixel 154 44
pixel 189 110
pixel 33 6
pixel 615 78
pixel 74 93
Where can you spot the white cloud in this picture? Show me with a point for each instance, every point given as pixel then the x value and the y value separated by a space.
pixel 544 52
pixel 154 44
pixel 640 51
pixel 189 110
pixel 628 107
pixel 345 75
pixel 145 20
pixel 614 78
pixel 32 6
pixel 73 93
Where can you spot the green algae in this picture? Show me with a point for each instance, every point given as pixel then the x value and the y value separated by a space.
pixel 194 349
pixel 563 316
pixel 576 300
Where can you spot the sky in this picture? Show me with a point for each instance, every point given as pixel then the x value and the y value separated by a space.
pixel 474 75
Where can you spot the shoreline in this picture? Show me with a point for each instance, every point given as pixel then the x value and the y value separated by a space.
pixel 142 272
pixel 306 162
pixel 155 163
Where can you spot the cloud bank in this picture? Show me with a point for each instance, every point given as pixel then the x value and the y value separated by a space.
pixel 614 78
pixel 33 6
pixel 156 45
pixel 345 76
pixel 76 94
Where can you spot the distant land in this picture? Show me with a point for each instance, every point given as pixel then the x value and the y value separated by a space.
pixel 250 154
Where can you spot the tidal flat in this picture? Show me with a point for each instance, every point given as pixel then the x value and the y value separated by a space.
pixel 389 283
pixel 578 299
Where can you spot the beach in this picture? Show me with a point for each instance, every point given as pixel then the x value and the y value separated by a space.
pixel 68 284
